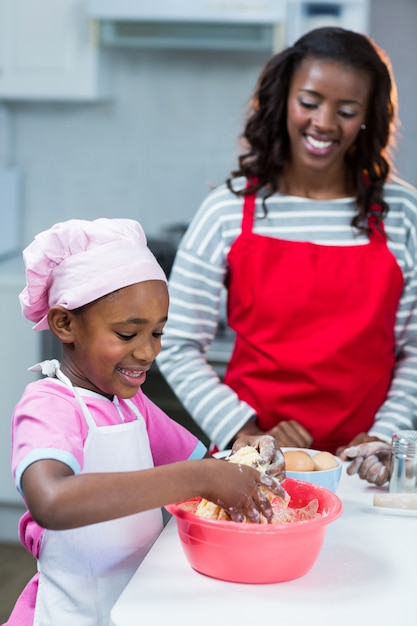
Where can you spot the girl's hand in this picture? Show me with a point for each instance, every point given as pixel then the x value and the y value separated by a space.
pixel 238 489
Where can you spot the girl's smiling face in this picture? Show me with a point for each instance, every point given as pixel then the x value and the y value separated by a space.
pixel 327 103
pixel 115 339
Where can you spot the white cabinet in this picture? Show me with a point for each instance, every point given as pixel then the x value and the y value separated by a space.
pixel 48 51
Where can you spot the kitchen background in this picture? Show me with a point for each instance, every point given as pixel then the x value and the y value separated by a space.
pixel 96 123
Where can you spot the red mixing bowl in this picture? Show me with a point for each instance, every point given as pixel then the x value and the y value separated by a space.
pixel 258 553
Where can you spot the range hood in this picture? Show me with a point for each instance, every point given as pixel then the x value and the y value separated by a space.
pixel 264 25
pixel 197 24
pixel 236 11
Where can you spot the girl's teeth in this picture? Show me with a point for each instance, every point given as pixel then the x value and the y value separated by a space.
pixel 131 373
pixel 319 144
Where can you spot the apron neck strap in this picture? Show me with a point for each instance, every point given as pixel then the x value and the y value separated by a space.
pixel 375 225
pixel 249 207
pixel 249 204
pixel 52 369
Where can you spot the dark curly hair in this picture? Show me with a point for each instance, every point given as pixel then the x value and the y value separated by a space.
pixel 266 136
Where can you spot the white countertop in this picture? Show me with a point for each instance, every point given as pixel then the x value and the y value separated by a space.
pixel 366 573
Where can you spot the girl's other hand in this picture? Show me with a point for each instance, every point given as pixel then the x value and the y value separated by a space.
pixel 271 455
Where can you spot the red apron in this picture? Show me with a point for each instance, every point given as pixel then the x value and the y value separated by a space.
pixel 314 330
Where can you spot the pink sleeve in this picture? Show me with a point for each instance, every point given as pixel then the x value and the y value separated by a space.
pixel 47 424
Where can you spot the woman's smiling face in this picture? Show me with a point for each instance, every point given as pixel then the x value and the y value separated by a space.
pixel 327 103
pixel 116 339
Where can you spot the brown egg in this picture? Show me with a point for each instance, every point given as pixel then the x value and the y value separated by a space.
pixel 298 461
pixel 324 461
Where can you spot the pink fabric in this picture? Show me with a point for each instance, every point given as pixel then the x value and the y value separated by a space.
pixel 30 534
pixel 76 262
pixel 22 614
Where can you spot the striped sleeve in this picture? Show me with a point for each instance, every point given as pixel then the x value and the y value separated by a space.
pixel 399 411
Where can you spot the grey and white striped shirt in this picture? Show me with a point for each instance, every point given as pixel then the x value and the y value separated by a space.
pixel 196 291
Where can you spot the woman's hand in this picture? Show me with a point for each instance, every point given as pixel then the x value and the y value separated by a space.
pixel 370 460
pixel 361 438
pixel 288 433
pixel 291 434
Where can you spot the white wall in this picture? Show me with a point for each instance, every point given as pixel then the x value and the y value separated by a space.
pixel 394 28
pixel 149 153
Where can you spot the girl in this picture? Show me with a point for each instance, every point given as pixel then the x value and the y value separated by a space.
pixel 93 458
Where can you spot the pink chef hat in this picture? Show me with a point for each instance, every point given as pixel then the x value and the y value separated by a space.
pixel 76 262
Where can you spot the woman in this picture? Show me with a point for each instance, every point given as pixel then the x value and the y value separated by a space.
pixel 315 243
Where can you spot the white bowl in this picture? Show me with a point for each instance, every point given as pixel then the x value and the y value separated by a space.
pixel 324 478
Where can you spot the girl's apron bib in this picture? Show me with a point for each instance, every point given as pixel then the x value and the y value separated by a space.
pixel 83 571
pixel 314 330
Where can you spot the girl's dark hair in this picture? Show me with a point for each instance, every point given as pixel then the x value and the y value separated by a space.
pixel 265 133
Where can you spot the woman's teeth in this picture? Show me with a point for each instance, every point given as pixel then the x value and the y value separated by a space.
pixel 316 143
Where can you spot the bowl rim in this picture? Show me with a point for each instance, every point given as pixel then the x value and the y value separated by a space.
pixel 284 527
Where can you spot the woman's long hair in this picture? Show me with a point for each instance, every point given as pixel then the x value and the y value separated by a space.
pixel 266 136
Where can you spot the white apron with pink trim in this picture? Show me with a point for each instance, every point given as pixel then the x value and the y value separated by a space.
pixel 83 571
